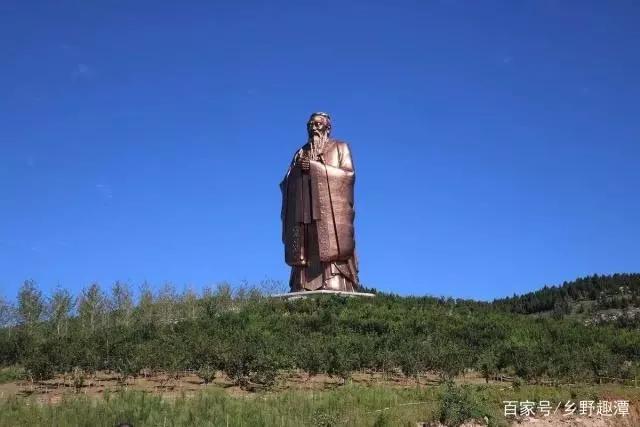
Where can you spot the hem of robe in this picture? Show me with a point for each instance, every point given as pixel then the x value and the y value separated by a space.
pixel 335 276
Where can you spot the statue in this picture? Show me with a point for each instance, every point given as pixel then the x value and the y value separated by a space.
pixel 317 213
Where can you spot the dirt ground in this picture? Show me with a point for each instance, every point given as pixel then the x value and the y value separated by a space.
pixel 51 391
pixel 188 384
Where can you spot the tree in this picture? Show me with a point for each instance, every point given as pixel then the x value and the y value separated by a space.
pixel 450 359
pixel 30 303
pixel 409 365
pixel 458 405
pixel 253 339
pixel 146 310
pixel 251 361
pixel 7 314
pixel 560 309
pixel 91 307
pixel 121 303
pixel 341 358
pixel 599 360
pixel 39 366
pixel 207 373
pixel 61 303
pixel 166 304
pixel 488 363
pixel 216 302
pixel 190 307
pixel 309 354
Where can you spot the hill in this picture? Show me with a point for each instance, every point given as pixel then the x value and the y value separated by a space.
pixel 251 338
pixel 313 361
pixel 598 299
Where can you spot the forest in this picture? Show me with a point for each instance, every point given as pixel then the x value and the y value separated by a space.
pixel 615 291
pixel 252 338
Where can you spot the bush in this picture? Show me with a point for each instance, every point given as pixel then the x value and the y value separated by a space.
pixel 458 405
pixel 383 420
pixel 39 367
pixel 323 418
pixel 309 355
pixel 251 362
pixel 78 376
pixel 207 373
pixel 516 384
pixel 11 374
pixel 251 339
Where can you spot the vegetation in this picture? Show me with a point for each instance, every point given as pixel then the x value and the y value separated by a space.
pixel 11 374
pixel 351 405
pixel 616 291
pixel 252 339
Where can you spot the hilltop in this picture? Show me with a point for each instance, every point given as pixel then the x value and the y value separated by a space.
pixel 252 338
pixel 596 299
pixel 242 341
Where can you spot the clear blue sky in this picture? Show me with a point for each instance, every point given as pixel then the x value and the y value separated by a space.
pixel 496 144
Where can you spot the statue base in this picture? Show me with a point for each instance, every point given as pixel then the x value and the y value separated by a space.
pixel 305 294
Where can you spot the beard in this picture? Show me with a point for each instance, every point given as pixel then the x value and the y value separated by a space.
pixel 317 140
pixel 318 137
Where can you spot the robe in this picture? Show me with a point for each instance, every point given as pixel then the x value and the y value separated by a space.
pixel 317 220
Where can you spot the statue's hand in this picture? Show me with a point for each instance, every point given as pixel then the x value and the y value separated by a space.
pixel 304 163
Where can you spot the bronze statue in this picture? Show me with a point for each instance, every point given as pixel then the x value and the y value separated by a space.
pixel 317 213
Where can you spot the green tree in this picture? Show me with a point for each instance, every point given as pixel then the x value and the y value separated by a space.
pixel 92 308
pixel 341 358
pixel 309 354
pixel 30 303
pixel 121 303
pixel 488 363
pixel 7 314
pixel 61 303
pixel 146 312
pixel 251 361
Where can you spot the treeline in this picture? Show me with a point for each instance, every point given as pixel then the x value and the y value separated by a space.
pixel 253 338
pixel 613 291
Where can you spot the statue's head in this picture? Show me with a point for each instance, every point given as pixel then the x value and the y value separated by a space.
pixel 319 124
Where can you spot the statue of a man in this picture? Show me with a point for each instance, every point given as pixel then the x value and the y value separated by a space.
pixel 317 213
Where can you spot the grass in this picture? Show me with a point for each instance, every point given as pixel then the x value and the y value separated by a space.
pixel 11 374
pixel 350 405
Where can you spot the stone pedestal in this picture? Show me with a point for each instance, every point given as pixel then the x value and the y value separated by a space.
pixel 306 294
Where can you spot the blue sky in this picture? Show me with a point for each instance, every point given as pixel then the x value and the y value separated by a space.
pixel 496 144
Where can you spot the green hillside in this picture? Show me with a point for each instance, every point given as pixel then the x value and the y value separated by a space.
pixel 613 299
pixel 252 339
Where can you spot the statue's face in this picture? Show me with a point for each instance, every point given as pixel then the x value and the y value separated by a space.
pixel 318 125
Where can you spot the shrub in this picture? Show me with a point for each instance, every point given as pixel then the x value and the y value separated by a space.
pixel 458 405
pixel 39 367
pixel 207 373
pixel 11 374
pixel 78 376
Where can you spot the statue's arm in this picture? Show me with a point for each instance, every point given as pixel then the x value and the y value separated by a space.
pixel 346 161
pixel 344 169
pixel 291 165
pixel 284 190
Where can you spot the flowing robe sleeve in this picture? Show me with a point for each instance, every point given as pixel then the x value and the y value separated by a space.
pixel 333 196
pixel 290 215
